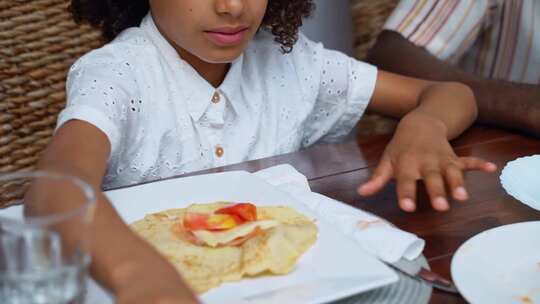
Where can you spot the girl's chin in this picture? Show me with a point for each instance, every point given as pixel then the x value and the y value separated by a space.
pixel 220 60
pixel 222 56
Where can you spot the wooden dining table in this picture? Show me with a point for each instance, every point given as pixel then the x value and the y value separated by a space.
pixel 336 170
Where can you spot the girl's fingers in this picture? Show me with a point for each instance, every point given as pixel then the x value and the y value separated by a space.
pixel 406 192
pixel 455 181
pixel 435 188
pixel 382 174
pixel 406 187
pixel 475 163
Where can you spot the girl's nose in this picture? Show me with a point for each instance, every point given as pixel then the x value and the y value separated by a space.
pixel 235 8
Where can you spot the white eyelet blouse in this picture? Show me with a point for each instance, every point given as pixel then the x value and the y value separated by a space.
pixel 163 119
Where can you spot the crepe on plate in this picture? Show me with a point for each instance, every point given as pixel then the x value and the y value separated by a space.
pixel 271 242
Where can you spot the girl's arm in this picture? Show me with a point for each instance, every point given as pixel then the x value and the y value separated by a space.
pixel 121 261
pixel 431 114
pixel 452 104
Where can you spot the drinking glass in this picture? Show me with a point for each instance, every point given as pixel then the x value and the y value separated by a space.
pixel 44 237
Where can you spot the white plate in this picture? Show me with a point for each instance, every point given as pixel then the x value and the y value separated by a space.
pixel 500 265
pixel 335 267
pixel 406 291
pixel 521 179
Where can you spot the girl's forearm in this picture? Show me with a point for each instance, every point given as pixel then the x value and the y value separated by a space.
pixel 114 248
pixel 450 106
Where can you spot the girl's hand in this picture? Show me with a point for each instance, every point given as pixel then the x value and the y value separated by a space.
pixel 419 150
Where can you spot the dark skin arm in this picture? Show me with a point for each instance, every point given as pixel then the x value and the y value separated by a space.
pixel 430 113
pixel 501 104
pixel 121 261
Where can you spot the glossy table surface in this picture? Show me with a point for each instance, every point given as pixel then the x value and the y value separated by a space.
pixel 336 170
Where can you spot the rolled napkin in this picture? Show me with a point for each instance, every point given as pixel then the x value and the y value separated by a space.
pixel 375 235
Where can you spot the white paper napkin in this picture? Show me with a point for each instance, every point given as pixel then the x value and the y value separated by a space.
pixel 375 235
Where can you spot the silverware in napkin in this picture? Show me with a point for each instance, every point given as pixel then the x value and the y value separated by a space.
pixel 418 272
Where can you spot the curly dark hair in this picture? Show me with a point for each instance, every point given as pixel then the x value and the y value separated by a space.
pixel 283 18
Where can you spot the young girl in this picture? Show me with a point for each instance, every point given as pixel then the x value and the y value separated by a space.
pixel 185 85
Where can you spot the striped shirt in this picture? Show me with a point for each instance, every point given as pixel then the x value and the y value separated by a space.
pixel 497 39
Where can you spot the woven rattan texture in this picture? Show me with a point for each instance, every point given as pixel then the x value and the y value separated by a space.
pixel 38 43
pixel 368 19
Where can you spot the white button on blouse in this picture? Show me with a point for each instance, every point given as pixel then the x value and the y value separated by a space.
pixel 162 118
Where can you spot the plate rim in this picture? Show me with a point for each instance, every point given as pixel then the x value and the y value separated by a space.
pixel 458 255
pixel 510 187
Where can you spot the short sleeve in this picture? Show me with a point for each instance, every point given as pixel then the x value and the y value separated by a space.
pixel 446 28
pixel 98 89
pixel 341 86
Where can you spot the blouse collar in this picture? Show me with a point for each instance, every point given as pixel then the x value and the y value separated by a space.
pixel 198 92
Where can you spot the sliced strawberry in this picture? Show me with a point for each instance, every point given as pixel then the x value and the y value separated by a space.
pixel 203 221
pixel 183 234
pixel 195 221
pixel 245 211
pixel 222 222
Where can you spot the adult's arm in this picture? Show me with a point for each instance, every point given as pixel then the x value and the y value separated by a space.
pixel 503 104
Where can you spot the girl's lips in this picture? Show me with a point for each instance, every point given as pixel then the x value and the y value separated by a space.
pixel 227 36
